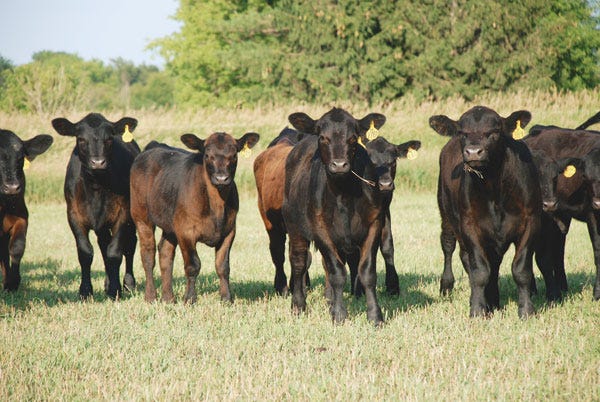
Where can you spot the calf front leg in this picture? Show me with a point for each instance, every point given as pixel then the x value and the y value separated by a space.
pixel 448 242
pixel 392 283
pixel 85 255
pixel 166 255
pixel 16 249
pixel 191 263
pixel 112 256
pixel 222 266
pixel 522 271
pixel 479 277
pixel 298 260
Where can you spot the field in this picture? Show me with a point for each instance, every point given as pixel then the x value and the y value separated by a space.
pixel 55 347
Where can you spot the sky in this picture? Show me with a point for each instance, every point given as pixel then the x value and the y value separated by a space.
pixel 92 29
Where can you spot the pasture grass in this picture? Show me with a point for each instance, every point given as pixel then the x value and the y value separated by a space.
pixel 55 347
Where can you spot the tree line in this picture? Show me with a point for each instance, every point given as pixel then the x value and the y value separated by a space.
pixel 243 52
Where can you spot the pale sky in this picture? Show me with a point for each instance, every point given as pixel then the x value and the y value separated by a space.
pixel 92 29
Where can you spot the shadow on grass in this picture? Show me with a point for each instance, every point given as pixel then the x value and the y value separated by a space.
pixel 45 282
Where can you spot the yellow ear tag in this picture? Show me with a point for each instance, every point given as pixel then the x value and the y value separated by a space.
pixel 412 154
pixel 518 133
pixel 569 171
pixel 362 144
pixel 245 152
pixel 26 164
pixel 127 136
pixel 372 132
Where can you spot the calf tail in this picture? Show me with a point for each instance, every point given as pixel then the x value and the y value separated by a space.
pixel 589 122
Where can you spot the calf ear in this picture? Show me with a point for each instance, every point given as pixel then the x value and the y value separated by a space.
pixel 64 127
pixel 443 125
pixel 365 123
pixel 193 142
pixel 510 123
pixel 248 140
pixel 125 121
pixel 402 149
pixel 302 122
pixel 37 145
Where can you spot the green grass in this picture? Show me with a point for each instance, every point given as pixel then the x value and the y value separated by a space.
pixel 57 348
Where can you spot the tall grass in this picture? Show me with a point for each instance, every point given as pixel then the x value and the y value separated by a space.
pixel 55 347
pixel 406 119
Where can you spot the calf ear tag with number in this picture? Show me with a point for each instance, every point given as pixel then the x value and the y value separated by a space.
pixel 361 143
pixel 26 164
pixel 412 154
pixel 518 133
pixel 569 171
pixel 127 136
pixel 372 132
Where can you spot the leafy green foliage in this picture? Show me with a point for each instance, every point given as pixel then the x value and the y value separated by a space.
pixel 232 52
pixel 55 82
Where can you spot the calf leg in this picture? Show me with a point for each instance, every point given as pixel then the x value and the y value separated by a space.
pixel 112 256
pixel 166 255
pixel 368 276
pixel 16 249
pixel 191 263
pixel 448 242
pixel 277 249
pixel 129 241
pixel 148 255
pixel 593 229
pixel 522 271
pixel 337 280
pixel 547 257
pixel 85 254
pixel 392 284
pixel 298 252
pixel 222 266
pixel 479 277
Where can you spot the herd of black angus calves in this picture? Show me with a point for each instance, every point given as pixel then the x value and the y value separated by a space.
pixel 328 182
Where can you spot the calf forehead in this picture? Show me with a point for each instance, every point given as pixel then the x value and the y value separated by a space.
pixel 381 151
pixel 9 142
pixel 337 121
pixel 94 125
pixel 479 119
pixel 221 142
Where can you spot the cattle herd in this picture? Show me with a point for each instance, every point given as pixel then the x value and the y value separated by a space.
pixel 328 183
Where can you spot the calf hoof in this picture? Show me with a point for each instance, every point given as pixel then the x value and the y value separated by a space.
pixel 12 284
pixel 375 316
pixel 169 298
pixel 150 296
pixel 86 291
pixel 526 311
pixel 338 314
pixel 553 296
pixel 393 290
pixel 129 283
pixel 298 305
pixel 480 311
pixel 446 287
pixel 282 290
pixel 114 293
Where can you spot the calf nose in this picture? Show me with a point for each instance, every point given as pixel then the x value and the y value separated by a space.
pixel 386 184
pixel 221 179
pixel 473 153
pixel 98 163
pixel 596 203
pixel 11 188
pixel 549 205
pixel 339 166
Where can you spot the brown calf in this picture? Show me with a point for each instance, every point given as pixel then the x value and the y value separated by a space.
pixel 192 197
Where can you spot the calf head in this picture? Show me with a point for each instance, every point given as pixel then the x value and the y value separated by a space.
pixel 338 134
pixel 589 168
pixel 383 155
pixel 219 154
pixel 483 133
pixel 13 153
pixel 94 138
pixel 549 172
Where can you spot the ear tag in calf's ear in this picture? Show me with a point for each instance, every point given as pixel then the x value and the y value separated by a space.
pixel 245 152
pixel 361 143
pixel 569 171
pixel 372 132
pixel 127 136
pixel 26 164
pixel 412 154
pixel 518 133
